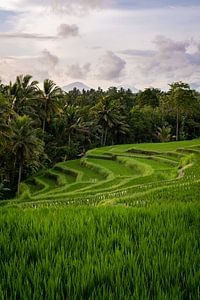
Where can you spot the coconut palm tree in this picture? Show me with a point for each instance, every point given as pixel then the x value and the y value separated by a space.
pixel 23 94
pixel 70 124
pixel 164 133
pixel 5 114
pixel 25 143
pixel 49 98
pixel 107 114
pixel 120 129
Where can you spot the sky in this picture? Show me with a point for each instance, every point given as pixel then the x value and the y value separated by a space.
pixel 130 43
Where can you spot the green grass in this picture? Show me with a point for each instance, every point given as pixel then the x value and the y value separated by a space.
pixel 113 168
pixel 123 222
pixel 100 253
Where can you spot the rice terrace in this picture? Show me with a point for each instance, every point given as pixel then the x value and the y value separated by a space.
pixel 99 150
pixel 122 222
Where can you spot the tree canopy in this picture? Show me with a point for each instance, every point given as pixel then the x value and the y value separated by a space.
pixel 41 126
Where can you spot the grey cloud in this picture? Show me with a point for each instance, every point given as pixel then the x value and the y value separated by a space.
pixel 65 30
pixel 79 72
pixel 23 35
pixel 150 4
pixel 77 6
pixel 135 52
pixel 111 66
pixel 172 61
pixel 45 65
pixel 168 45
pixel 48 59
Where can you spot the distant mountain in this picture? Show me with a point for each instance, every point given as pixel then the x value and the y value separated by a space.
pixel 78 85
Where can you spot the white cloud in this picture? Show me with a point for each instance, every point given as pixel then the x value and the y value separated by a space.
pixel 56 6
pixel 111 66
pixel 42 66
pixel 65 30
pixel 24 35
pixel 79 72
pixel 80 44
pixel 171 61
pixel 77 6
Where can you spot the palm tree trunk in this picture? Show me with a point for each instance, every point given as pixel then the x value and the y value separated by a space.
pixel 105 136
pixel 44 121
pixel 13 103
pixel 19 179
pixel 43 126
pixel 177 125
pixel 102 138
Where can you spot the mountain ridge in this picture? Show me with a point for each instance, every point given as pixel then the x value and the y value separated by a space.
pixel 78 85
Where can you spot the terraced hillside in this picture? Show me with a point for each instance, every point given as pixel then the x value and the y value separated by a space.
pixel 120 223
pixel 132 175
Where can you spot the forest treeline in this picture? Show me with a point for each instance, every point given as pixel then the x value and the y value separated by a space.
pixel 42 126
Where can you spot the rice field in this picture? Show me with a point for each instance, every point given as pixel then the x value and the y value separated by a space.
pixel 123 222
pixel 139 175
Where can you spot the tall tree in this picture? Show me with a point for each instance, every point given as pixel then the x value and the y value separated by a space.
pixel 25 143
pixel 108 114
pixel 23 94
pixel 49 98
pixel 148 97
pixel 182 100
pixel 70 124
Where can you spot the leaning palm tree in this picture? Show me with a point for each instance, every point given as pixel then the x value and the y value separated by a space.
pixel 49 98
pixel 25 143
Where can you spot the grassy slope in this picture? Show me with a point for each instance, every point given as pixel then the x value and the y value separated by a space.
pixel 149 251
pixel 117 174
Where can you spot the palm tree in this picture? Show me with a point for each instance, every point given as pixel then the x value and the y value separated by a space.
pixel 120 128
pixel 107 115
pixel 70 124
pixel 49 97
pixel 22 95
pixel 5 113
pixel 164 133
pixel 24 143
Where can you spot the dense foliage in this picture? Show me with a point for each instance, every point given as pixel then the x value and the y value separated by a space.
pixel 42 126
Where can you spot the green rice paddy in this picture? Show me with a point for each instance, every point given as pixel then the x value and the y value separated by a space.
pixel 123 222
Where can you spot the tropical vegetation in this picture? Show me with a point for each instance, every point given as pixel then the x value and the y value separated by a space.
pixel 42 126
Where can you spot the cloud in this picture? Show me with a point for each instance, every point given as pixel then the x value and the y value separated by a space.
pixel 42 66
pixel 135 52
pixel 167 45
pixel 23 35
pixel 63 31
pixel 171 61
pixel 49 59
pixel 146 4
pixel 77 6
pixel 79 72
pixel 111 66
